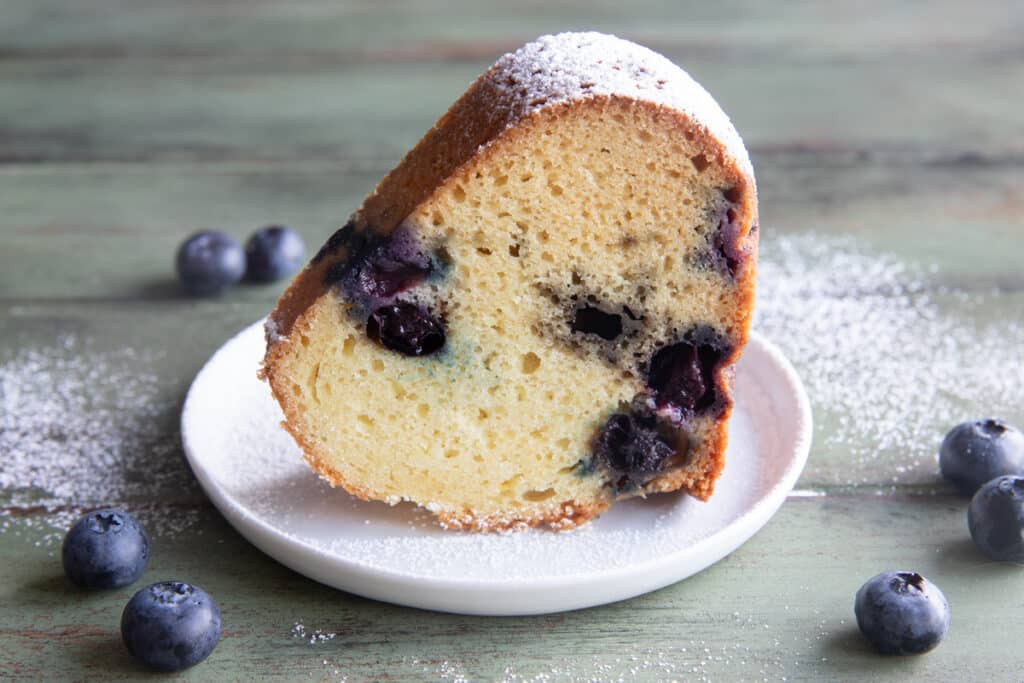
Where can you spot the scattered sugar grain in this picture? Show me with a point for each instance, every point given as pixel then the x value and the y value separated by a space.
pixel 82 428
pixel 314 637
pixel 890 360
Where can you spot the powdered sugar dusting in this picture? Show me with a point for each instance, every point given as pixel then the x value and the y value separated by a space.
pixel 254 469
pixel 314 636
pixel 573 66
pixel 82 428
pixel 890 360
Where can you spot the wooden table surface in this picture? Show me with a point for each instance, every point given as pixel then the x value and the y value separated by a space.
pixel 888 139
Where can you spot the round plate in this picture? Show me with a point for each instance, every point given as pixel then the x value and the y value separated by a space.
pixel 255 475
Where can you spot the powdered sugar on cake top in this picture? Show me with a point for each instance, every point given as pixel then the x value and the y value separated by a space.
pixel 573 66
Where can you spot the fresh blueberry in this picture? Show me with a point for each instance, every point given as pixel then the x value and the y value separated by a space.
pixel 406 328
pixel 209 262
pixel 996 518
pixel 976 452
pixel 631 450
pixel 170 626
pixel 902 613
pixel 105 549
pixel 273 253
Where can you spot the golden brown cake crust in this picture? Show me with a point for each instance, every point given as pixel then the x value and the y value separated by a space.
pixel 489 116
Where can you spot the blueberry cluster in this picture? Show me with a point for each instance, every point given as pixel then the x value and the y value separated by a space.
pixel 636 445
pixel 168 626
pixel 375 270
pixel 904 613
pixel 208 262
pixel 985 459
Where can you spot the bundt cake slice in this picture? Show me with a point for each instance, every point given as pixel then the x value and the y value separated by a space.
pixel 537 313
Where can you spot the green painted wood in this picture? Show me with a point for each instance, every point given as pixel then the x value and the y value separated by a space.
pixel 724 624
pixel 144 85
pixel 124 111
pixel 102 212
pixel 124 125
pixel 100 29
pixel 913 212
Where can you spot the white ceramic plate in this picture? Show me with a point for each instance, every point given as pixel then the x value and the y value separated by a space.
pixel 255 475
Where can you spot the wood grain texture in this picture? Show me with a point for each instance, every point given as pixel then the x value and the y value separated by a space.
pixel 915 212
pixel 252 27
pixel 720 625
pixel 362 81
pixel 126 125
pixel 363 113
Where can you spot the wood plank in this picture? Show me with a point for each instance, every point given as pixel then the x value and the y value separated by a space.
pixel 381 31
pixel 124 223
pixel 890 158
pixel 144 86
pixel 719 625
pixel 373 113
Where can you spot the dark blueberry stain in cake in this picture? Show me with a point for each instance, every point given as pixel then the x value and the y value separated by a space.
pixel 631 449
pixel 441 262
pixel 593 320
pixel 593 325
pixel 584 467
pixel 733 194
pixel 406 328
pixel 682 374
pixel 379 267
pixel 340 238
pixel 375 270
pixel 727 252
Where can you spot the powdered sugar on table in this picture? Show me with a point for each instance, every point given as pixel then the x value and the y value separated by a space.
pixel 82 428
pixel 891 360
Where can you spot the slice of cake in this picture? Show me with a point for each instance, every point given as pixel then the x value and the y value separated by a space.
pixel 537 313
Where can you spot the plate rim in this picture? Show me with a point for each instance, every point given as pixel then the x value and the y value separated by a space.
pixel 460 595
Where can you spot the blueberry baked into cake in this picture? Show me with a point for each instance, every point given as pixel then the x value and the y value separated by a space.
pixel 537 313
